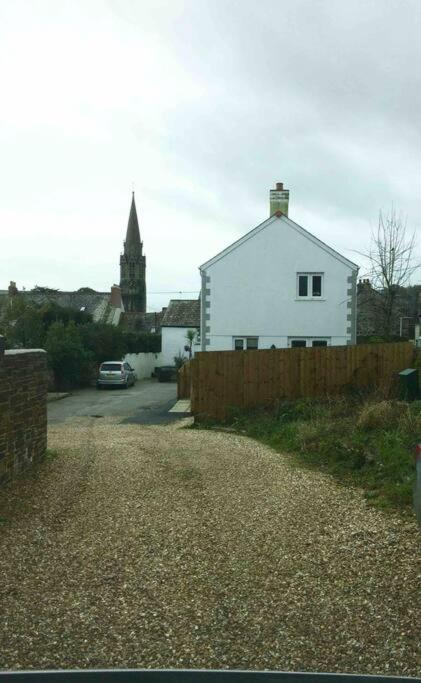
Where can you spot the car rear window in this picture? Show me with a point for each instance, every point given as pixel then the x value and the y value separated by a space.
pixel 109 367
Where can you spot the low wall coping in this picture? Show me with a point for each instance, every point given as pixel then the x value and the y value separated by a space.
pixel 16 352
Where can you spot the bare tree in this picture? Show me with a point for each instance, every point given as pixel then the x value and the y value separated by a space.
pixel 391 266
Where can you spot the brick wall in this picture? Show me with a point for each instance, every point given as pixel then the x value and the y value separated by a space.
pixel 23 409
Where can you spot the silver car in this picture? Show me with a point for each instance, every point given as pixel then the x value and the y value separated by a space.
pixel 115 373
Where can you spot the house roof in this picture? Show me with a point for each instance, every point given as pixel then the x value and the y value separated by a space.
pixel 279 217
pixel 85 299
pixel 153 321
pixel 182 313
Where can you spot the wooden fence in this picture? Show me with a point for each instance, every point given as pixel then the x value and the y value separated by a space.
pixel 219 380
pixel 184 380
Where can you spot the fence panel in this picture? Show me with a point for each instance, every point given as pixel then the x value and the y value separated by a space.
pixel 221 380
pixel 184 381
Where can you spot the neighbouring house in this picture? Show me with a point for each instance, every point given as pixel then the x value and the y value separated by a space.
pixel 278 286
pixel 105 307
pixel 372 307
pixel 181 316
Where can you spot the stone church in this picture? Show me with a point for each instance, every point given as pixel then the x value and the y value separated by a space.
pixel 133 267
pixel 124 304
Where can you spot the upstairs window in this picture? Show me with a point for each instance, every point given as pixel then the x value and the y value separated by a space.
pixel 309 285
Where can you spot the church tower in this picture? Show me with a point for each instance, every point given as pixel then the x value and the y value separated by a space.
pixel 133 267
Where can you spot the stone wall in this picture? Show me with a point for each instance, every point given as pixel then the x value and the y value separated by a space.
pixel 23 409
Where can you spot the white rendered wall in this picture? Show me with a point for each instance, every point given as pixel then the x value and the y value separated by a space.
pixel 226 343
pixel 143 363
pixel 252 291
pixel 173 343
pixel 115 317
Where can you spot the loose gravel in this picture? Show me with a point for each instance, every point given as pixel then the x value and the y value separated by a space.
pixel 166 547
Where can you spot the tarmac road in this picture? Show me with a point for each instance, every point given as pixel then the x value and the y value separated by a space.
pixel 147 402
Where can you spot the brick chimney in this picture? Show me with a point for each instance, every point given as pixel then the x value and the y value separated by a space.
pixel 115 298
pixel 12 288
pixel 279 200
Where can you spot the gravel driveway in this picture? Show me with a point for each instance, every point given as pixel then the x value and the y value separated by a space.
pixel 158 546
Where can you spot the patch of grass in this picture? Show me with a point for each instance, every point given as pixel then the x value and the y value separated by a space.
pixel 362 442
pixel 51 454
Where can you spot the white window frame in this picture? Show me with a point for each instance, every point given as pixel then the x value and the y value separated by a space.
pixel 309 341
pixel 244 340
pixel 309 296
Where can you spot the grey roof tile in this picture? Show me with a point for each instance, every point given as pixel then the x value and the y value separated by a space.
pixel 182 313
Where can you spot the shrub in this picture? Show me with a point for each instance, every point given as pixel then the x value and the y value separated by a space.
pixel 143 342
pixel 381 415
pixel 67 357
pixel 179 361
pixel 27 323
pixel 103 342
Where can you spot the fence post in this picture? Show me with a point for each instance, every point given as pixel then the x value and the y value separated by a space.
pixel 181 373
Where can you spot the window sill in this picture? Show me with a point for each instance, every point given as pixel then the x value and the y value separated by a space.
pixel 310 298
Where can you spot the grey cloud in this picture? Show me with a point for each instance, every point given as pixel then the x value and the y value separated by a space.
pixel 324 95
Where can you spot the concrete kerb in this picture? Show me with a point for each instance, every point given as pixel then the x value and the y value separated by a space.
pixel 57 396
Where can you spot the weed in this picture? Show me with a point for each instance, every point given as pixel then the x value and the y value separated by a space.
pixel 51 454
pixel 381 415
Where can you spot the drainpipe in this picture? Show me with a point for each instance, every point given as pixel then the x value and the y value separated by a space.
pixel 203 311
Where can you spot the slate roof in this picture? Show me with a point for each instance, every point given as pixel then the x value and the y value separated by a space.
pixel 95 303
pixel 92 302
pixel 182 313
pixel 153 321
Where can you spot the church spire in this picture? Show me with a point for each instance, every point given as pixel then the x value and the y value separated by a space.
pixel 133 234
pixel 133 267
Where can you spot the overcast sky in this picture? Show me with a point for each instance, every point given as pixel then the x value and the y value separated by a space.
pixel 201 106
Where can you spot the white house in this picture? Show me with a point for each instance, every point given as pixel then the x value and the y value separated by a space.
pixel 278 286
pixel 180 316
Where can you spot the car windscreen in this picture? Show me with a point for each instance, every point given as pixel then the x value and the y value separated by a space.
pixel 111 367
